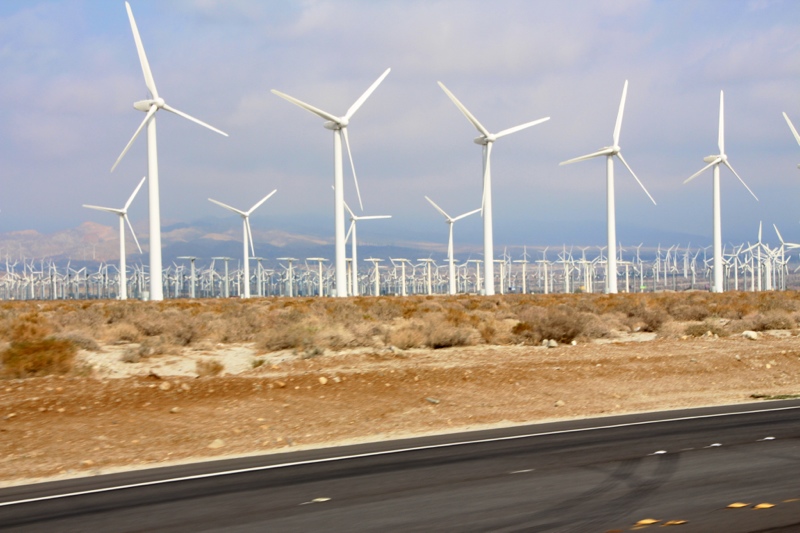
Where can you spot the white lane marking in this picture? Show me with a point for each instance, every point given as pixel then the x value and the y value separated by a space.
pixel 715 445
pixel 396 451
pixel 659 452
pixel 765 438
pixel 522 471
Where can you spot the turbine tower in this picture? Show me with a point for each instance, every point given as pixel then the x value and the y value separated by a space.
pixel 247 236
pixel 715 161
pixel 123 219
pixel 339 127
pixel 611 221
pixel 151 106
pixel 794 131
pixel 450 221
pixel 487 139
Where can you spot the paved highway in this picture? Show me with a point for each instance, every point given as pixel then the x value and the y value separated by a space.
pixel 595 475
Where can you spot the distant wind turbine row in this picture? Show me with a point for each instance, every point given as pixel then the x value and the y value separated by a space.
pixel 339 125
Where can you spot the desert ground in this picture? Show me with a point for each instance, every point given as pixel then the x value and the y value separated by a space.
pixel 97 387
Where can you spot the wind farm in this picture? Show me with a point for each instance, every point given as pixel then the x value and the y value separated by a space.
pixel 293 325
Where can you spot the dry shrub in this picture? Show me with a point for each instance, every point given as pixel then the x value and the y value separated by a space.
pixel 562 324
pixel 440 333
pixel 287 329
pixel 81 340
pixel 152 346
pixel 208 367
pixel 774 319
pixel 596 328
pixel 407 335
pixel 652 319
pixel 335 337
pixel 29 327
pixel 122 332
pixel 39 357
pixel 704 328
pixel 689 312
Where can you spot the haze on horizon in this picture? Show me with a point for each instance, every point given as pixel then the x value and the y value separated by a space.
pixel 72 75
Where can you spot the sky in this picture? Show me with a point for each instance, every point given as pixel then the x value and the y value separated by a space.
pixel 71 73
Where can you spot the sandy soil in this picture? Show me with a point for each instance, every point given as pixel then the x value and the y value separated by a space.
pixel 157 411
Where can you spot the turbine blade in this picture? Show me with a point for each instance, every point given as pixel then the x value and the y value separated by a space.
pixel 352 215
pixel 363 98
pixel 349 230
pixel 465 215
pixel 135 192
pixel 439 208
pixel 249 235
pixel 779 233
pixel 487 168
pixel 759 231
pixel 740 178
pixel 604 151
pixel 465 111
pixel 130 227
pixel 308 107
pixel 147 117
pixel 721 124
pixel 148 75
pixel 520 127
pixel 267 197
pixel 229 208
pixel 618 125
pixel 195 120
pixel 373 217
pixel 791 127
pixel 619 154
pixel 352 166
pixel 693 176
pixel 106 209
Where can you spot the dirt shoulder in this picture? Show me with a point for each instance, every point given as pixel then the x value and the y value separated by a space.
pixel 129 415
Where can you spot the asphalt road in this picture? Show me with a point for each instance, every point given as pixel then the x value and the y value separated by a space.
pixel 593 475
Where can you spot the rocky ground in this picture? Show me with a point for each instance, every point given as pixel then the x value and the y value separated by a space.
pixel 156 411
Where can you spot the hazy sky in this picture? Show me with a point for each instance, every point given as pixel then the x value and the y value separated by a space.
pixel 71 73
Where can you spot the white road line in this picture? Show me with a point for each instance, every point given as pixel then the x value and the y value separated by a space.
pixel 381 453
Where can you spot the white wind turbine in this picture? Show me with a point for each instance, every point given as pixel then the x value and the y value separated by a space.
pixel 339 127
pixel 450 221
pixel 351 234
pixel 610 152
pixel 247 235
pixel 715 161
pixel 794 131
pixel 123 219
pixel 487 139
pixel 151 106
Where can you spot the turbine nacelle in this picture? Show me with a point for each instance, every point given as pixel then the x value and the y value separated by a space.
pixel 145 105
pixel 331 125
pixel 483 140
pixel 715 158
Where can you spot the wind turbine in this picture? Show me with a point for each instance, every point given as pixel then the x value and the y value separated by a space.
pixel 610 152
pixel 487 139
pixel 151 106
pixel 247 235
pixel 450 221
pixel 715 161
pixel 794 131
pixel 351 233
pixel 339 127
pixel 123 218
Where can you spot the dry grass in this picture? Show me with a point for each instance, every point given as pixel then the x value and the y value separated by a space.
pixel 314 325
